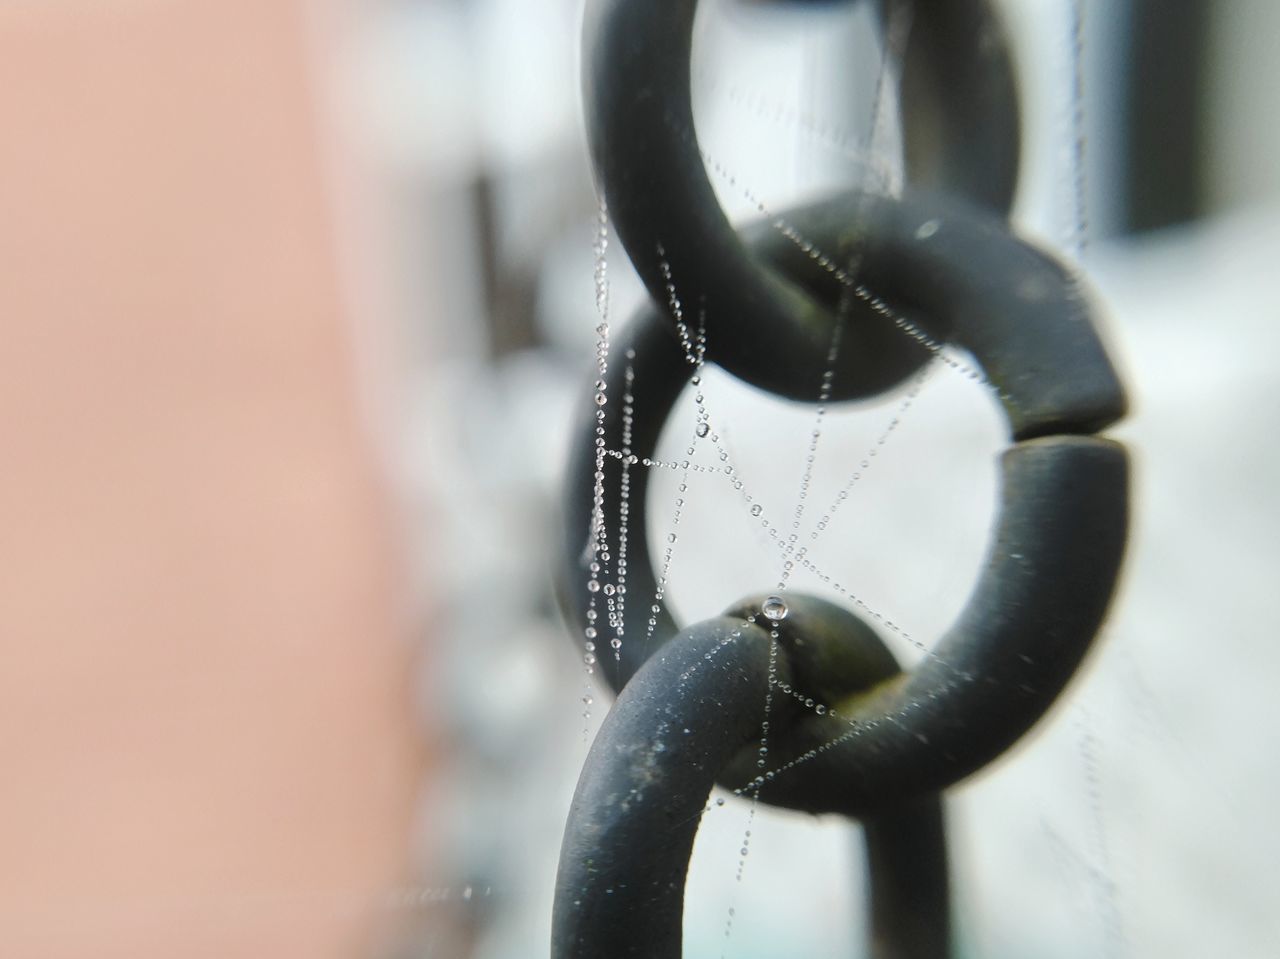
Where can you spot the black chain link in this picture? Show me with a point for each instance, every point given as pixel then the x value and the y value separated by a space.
pixel 962 135
pixel 931 268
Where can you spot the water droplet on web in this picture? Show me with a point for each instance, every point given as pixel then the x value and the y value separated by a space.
pixel 702 429
pixel 593 585
pixel 757 510
pixel 720 801
pixel 774 609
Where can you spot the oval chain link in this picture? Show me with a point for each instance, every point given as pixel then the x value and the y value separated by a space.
pixel 932 268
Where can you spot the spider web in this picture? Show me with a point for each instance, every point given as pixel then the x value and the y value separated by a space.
pixel 884 509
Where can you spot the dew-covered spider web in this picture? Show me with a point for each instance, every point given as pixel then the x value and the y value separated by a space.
pixel 1120 825
pixel 884 506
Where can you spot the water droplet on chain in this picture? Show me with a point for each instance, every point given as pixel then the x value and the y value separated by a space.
pixel 927 229
pixel 774 609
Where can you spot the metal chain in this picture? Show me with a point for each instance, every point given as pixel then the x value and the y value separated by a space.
pixel 932 268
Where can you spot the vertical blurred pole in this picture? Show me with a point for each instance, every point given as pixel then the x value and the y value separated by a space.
pixel 1166 125
pixel 206 728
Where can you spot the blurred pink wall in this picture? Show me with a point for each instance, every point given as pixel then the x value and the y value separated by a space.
pixel 206 733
